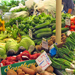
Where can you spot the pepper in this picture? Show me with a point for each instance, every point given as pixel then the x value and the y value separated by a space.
pixel 26 53
pixel 34 56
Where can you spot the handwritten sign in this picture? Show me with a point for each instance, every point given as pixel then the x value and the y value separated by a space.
pixel 44 43
pixel 67 21
pixel 43 60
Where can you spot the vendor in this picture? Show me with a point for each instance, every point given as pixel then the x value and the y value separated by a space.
pixel 68 6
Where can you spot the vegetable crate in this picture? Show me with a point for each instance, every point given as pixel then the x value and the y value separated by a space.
pixel 4 69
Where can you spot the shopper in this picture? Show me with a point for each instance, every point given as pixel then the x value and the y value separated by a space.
pixel 68 6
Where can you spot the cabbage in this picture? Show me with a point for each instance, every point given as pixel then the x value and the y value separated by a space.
pixel 2 51
pixel 11 44
pixel 26 43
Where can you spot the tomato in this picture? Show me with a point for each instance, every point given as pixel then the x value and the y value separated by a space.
pixel 72 30
pixel 72 22
pixel 72 27
pixel 66 26
pixel 73 19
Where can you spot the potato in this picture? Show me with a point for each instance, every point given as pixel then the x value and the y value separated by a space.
pixel 28 70
pixel 38 69
pixel 45 73
pixel 37 74
pixel 50 69
pixel 11 72
pixel 32 67
pixel 50 42
pixel 39 47
pixel 20 72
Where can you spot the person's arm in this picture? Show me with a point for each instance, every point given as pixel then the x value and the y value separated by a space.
pixel 70 6
pixel 70 11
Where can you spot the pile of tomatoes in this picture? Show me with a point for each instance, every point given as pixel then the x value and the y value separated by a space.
pixel 72 24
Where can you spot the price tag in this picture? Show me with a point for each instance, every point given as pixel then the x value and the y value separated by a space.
pixel 67 21
pixel 53 14
pixel 43 60
pixel 30 33
pixel 44 43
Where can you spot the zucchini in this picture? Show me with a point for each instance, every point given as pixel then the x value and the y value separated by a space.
pixel 62 29
pixel 43 34
pixel 43 25
pixel 43 30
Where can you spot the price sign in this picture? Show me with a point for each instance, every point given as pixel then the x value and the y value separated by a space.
pixel 43 60
pixel 30 33
pixel 45 43
pixel 67 21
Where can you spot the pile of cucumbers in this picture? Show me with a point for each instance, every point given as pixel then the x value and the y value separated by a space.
pixel 45 30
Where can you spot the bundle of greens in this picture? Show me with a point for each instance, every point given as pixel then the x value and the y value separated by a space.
pixel 57 65
pixel 64 62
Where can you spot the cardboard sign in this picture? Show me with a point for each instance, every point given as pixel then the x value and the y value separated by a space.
pixel 3 70
pixel 30 33
pixel 43 60
pixel 44 43
pixel 67 21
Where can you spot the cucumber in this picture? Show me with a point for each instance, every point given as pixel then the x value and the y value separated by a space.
pixel 43 34
pixel 43 25
pixel 53 27
pixel 62 29
pixel 37 40
pixel 43 30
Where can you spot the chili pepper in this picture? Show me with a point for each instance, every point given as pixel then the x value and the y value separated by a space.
pixel 3 62
pixel 26 53
pixel 18 57
pixel 8 63
pixel 34 56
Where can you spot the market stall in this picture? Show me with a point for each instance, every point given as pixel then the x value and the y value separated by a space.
pixel 36 40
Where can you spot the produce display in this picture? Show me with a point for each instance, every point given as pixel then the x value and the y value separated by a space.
pixel 65 57
pixel 33 70
pixel 16 44
pixel 23 56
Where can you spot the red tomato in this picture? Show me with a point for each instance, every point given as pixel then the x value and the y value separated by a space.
pixel 72 30
pixel 72 22
pixel 73 19
pixel 72 27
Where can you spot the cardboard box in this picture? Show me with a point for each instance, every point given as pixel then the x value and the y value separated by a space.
pixel 4 69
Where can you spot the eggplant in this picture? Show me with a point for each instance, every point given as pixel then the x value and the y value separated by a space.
pixel 21 49
pixel 11 52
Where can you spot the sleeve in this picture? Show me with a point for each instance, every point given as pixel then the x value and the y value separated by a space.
pixel 70 4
